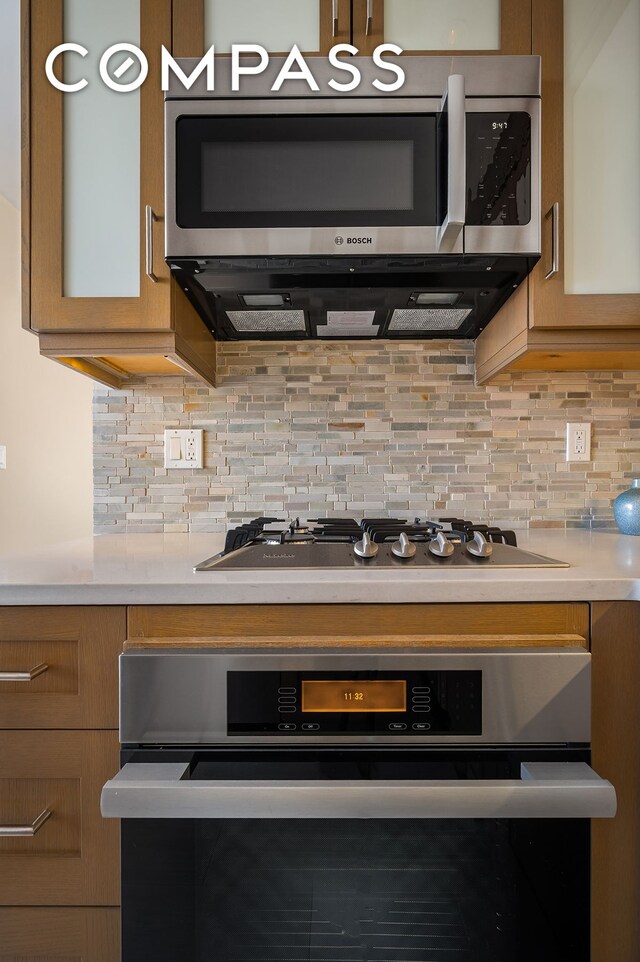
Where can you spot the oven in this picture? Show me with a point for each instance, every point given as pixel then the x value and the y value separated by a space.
pixel 356 805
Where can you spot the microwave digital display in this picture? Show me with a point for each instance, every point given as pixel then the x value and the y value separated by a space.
pixel 350 696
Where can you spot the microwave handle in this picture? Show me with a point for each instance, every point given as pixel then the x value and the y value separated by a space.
pixel 545 790
pixel 453 224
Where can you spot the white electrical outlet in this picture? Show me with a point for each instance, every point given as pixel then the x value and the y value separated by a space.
pixel 579 442
pixel 3 457
pixel 183 449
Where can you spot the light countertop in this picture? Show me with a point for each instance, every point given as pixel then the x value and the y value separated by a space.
pixel 158 569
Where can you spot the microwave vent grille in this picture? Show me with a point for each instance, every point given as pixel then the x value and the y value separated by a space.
pixel 267 322
pixel 433 319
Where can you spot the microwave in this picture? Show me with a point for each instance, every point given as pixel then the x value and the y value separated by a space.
pixel 299 201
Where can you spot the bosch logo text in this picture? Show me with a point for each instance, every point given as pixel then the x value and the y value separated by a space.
pixel 359 240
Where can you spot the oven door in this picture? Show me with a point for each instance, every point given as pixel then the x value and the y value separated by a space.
pixel 356 855
pixel 281 177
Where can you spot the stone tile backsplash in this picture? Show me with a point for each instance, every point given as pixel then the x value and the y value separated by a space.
pixel 314 428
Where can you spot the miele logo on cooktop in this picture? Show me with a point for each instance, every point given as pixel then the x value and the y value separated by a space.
pixel 353 240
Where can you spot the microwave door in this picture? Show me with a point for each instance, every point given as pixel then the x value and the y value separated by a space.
pixel 453 122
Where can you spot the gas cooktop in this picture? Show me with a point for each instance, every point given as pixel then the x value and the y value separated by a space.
pixel 321 543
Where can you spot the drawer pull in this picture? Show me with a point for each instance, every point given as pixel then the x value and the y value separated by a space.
pixel 24 675
pixel 25 831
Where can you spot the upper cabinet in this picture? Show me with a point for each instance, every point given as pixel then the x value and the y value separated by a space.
pixel 313 25
pixel 580 308
pixel 444 26
pixel 96 288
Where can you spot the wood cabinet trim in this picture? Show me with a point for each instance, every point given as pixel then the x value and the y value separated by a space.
pixel 462 640
pixel 375 621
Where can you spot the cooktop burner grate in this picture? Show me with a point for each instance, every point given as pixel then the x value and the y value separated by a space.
pixel 272 543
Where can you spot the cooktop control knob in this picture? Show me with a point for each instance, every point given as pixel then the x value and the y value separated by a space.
pixel 365 548
pixel 441 547
pixel 403 548
pixel 479 547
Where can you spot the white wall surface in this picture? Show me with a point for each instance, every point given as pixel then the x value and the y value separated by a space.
pixel 45 411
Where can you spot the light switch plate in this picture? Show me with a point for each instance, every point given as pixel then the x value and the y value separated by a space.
pixel 183 449
pixel 3 457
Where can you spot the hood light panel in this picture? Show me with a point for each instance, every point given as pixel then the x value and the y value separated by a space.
pixel 434 298
pixel 265 300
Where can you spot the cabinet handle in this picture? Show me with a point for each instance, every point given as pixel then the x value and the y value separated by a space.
pixel 24 675
pixel 369 27
pixel 554 214
pixel 25 831
pixel 150 218
pixel 334 16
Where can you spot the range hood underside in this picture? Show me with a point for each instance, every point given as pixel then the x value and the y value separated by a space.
pixel 334 298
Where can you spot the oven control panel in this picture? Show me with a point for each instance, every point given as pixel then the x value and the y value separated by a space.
pixel 498 169
pixel 308 703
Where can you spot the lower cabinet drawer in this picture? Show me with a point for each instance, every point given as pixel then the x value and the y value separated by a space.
pixel 59 935
pixel 50 784
pixel 59 667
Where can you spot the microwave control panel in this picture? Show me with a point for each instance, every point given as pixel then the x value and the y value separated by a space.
pixel 354 703
pixel 498 169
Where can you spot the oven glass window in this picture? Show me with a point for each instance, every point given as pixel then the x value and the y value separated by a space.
pixel 306 171
pixel 349 890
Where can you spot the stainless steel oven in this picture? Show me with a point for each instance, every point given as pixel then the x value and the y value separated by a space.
pixel 352 806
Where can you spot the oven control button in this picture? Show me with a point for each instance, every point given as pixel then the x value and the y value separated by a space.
pixel 421 727
pixel 282 727
pixel 421 699
pixel 286 691
pixel 421 708
pixel 310 727
pixel 397 727
pixel 284 708
pixel 286 700
pixel 421 691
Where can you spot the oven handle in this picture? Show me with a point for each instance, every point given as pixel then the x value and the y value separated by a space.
pixel 545 790
pixel 454 104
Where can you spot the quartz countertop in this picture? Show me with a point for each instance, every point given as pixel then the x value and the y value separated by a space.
pixel 157 569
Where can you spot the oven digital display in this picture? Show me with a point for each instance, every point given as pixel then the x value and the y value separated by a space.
pixel 354 696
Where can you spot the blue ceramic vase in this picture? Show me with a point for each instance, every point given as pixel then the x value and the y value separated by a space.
pixel 626 509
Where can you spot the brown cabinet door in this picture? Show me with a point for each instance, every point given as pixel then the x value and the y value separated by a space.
pixel 59 935
pixel 549 305
pixel 51 782
pixel 59 667
pixel 615 755
pixel 47 308
pixel 190 36
pixel 373 24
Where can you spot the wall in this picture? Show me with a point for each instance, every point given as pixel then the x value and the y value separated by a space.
pixel 45 423
pixel 45 411
pixel 363 427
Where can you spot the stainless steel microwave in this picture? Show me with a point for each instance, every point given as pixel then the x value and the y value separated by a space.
pixel 307 214
pixel 449 163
